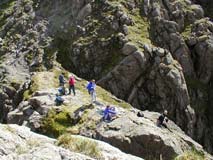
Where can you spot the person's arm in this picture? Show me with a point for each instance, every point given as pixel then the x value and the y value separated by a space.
pixel 112 112
pixel 87 87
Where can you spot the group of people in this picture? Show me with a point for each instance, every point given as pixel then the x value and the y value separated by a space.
pixel 62 82
pixel 91 87
pixel 109 112
pixel 62 90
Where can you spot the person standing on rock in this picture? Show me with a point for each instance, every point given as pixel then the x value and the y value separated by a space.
pixel 162 119
pixel 62 89
pixel 72 84
pixel 61 80
pixel 91 89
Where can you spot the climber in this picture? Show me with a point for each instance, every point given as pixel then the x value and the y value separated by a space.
pixel 61 80
pixel 140 114
pixel 109 113
pixel 91 89
pixel 162 119
pixel 72 84
pixel 59 100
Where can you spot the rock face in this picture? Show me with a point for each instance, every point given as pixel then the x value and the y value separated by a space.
pixel 143 138
pixel 188 38
pixel 153 54
pixel 155 89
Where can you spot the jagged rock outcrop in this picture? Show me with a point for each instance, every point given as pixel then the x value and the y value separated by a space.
pixel 180 27
pixel 150 80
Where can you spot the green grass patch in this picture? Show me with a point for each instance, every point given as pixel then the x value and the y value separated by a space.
pixel 55 124
pixel 33 88
pixel 139 32
pixel 191 155
pixel 81 145
pixel 187 31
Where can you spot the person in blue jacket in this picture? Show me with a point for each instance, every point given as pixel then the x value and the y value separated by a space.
pixel 91 87
pixel 59 100
pixel 109 113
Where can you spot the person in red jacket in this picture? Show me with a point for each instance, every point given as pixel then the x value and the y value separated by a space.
pixel 72 84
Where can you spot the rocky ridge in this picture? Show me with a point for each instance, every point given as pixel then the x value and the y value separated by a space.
pixel 140 45
pixel 131 134
pixel 24 144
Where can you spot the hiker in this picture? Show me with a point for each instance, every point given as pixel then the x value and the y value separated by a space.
pixel 162 119
pixel 91 89
pixel 109 113
pixel 59 100
pixel 61 80
pixel 140 114
pixel 72 84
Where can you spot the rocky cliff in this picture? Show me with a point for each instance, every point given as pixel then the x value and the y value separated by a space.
pixel 135 135
pixel 153 54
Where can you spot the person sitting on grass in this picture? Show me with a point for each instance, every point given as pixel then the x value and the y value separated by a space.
pixel 109 113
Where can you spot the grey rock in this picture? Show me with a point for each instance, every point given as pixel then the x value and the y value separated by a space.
pixel 24 144
pixel 129 48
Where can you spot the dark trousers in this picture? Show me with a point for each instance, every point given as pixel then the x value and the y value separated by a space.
pixel 72 87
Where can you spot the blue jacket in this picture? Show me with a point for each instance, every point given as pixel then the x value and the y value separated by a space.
pixel 91 86
pixel 108 110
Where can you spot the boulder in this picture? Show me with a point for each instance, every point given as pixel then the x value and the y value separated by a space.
pixel 129 48
pixel 148 75
pixel 141 136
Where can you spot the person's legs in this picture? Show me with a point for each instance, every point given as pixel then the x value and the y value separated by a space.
pixel 73 89
pixel 63 90
pixel 69 89
pixel 94 96
pixel 107 117
pixel 91 94
pixel 164 125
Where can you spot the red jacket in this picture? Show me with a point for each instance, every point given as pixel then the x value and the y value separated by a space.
pixel 72 81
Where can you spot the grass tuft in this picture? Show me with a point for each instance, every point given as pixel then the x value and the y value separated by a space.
pixel 81 145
